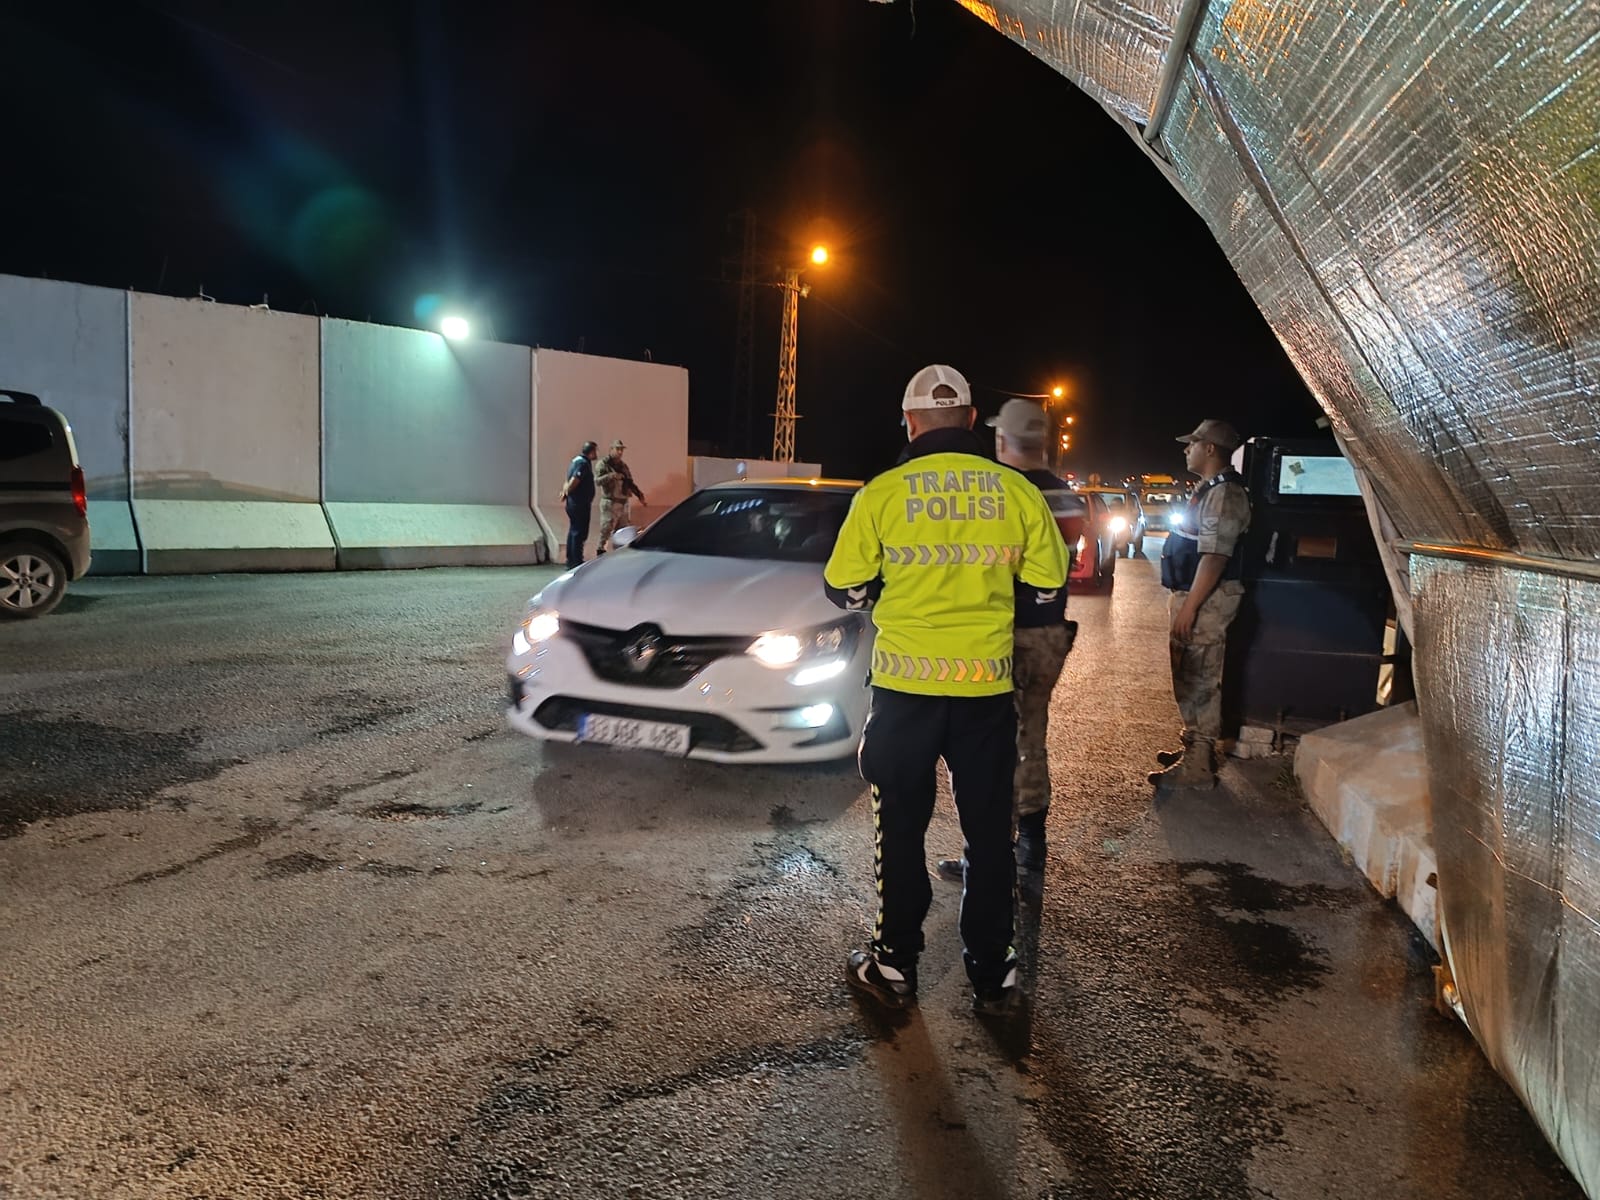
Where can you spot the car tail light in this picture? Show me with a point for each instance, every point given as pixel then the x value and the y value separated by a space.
pixel 80 493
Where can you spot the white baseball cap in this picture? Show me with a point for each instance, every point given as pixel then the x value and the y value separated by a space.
pixel 919 392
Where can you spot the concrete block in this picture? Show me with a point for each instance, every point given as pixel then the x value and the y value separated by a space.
pixel 1367 781
pixel 112 539
pixel 381 535
pixel 185 537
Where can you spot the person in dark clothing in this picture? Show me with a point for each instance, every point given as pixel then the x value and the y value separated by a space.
pixel 1043 635
pixel 577 493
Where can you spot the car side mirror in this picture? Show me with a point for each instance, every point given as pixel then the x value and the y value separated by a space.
pixel 624 536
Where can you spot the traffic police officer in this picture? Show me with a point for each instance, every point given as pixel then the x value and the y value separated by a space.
pixel 933 547
pixel 1201 567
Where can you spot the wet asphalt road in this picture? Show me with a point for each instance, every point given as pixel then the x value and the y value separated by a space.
pixel 287 913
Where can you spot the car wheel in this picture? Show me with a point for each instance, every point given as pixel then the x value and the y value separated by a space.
pixel 32 580
pixel 1138 547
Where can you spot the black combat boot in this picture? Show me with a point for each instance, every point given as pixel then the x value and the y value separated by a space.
pixel 1030 842
pixel 1171 758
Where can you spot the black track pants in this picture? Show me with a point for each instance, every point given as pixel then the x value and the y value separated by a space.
pixel 905 737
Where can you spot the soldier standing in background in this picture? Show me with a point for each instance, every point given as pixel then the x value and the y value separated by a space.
pixel 1201 567
pixel 615 481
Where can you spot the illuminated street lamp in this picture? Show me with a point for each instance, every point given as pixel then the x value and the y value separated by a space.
pixel 1058 391
pixel 454 327
pixel 785 417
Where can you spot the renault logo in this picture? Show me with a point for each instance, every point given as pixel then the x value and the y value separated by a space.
pixel 641 650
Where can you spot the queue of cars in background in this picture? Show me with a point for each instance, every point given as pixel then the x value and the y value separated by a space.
pixel 44 507
pixel 1094 554
pixel 1126 520
pixel 1162 497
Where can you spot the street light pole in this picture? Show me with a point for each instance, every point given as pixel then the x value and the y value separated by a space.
pixel 785 417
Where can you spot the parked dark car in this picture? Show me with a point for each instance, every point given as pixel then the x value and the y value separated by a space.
pixel 44 507
pixel 1127 518
pixel 1094 554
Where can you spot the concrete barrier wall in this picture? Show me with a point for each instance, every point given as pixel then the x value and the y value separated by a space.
pixel 578 398
pixel 220 438
pixel 224 438
pixel 68 344
pixel 426 448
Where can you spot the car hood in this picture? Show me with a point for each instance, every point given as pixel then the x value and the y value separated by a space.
pixel 692 594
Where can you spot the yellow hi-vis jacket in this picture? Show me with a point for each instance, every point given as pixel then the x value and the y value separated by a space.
pixel 946 532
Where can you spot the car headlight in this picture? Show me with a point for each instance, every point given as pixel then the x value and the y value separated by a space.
pixel 1083 544
pixel 784 648
pixel 540 625
pixel 1118 524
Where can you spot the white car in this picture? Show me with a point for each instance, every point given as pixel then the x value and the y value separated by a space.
pixel 709 635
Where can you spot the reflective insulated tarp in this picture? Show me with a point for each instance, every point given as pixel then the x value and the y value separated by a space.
pixel 1411 192
pixel 1514 768
pixel 1112 49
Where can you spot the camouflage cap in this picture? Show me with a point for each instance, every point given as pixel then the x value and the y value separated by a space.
pixel 1219 433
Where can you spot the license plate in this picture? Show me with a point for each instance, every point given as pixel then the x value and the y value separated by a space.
pixel 635 734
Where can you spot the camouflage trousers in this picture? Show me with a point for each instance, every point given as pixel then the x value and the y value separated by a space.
pixel 614 515
pixel 1037 660
pixel 1197 663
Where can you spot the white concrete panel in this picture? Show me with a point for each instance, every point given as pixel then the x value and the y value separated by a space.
pixel 431 535
pixel 225 402
pixel 200 536
pixel 113 544
pixel 411 417
pixel 225 437
pixel 1366 779
pixel 581 397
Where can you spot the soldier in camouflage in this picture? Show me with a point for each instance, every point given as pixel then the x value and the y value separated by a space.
pixel 1201 566
pixel 1042 637
pixel 615 481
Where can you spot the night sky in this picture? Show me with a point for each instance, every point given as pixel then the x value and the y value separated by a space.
pixel 566 174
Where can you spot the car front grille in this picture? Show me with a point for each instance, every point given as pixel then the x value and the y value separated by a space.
pixel 671 663
pixel 707 731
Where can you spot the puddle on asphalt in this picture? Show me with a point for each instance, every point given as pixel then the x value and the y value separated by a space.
pixel 64 766
pixel 1276 959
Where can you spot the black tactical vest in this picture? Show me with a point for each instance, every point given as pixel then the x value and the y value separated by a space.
pixel 1180 557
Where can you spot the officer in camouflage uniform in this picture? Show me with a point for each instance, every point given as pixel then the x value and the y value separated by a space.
pixel 615 481
pixel 1043 635
pixel 1201 567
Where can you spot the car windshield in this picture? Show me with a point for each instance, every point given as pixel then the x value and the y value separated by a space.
pixel 1113 499
pixel 785 524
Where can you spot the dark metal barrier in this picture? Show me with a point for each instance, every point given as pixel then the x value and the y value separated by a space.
pixel 1308 643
